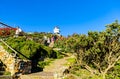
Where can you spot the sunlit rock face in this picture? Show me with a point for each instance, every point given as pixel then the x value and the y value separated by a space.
pixel 8 60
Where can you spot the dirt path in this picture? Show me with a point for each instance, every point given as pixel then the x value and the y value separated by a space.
pixel 55 69
pixel 58 65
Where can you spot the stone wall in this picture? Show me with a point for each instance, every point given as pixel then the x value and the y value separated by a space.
pixel 8 60
pixel 14 65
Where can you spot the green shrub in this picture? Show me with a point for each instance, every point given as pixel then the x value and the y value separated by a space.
pixel 7 73
pixel 42 64
pixel 29 48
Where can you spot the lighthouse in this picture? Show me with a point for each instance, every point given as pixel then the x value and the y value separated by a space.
pixel 56 31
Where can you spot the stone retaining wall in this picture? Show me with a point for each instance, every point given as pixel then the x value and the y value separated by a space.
pixel 14 65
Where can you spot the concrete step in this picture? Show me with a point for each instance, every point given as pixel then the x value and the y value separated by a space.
pixel 5 77
pixel 40 75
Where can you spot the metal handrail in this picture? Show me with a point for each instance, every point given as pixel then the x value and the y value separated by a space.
pixel 9 47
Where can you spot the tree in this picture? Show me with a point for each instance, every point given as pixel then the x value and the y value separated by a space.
pixel 98 52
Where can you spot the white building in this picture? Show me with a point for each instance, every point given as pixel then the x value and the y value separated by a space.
pixel 56 31
pixel 18 31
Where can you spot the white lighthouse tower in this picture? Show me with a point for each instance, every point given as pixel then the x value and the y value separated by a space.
pixel 56 31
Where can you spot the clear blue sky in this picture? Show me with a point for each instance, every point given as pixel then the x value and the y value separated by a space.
pixel 72 16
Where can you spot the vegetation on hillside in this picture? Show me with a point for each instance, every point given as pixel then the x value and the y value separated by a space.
pixel 32 50
pixel 97 53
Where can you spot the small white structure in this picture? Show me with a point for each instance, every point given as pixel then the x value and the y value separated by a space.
pixel 56 30
pixel 18 31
